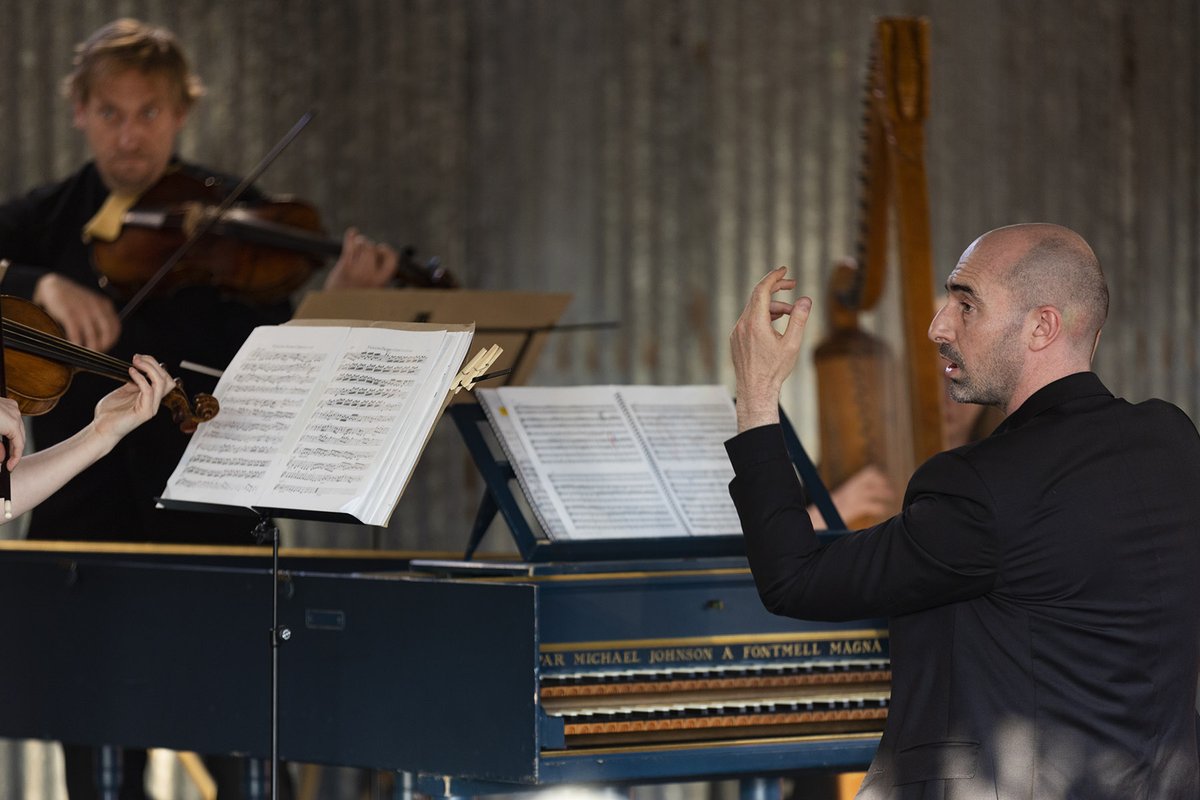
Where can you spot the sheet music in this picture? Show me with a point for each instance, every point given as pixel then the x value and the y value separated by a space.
pixel 354 417
pixel 412 429
pixel 620 462
pixel 319 418
pixel 685 430
pixel 262 394
pixel 535 491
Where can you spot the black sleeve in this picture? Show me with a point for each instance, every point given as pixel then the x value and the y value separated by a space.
pixel 19 231
pixel 941 548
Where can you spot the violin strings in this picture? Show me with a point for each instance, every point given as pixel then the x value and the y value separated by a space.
pixel 47 344
pixel 35 342
pixel 44 350
pixel 23 338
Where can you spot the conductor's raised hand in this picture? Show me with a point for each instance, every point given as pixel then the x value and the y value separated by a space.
pixel 762 356
pixel 122 410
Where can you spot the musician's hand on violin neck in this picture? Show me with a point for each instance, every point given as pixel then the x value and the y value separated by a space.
pixel 12 429
pixel 123 409
pixel 363 264
pixel 42 473
pixel 88 318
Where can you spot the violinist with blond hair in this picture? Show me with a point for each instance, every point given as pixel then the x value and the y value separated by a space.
pixel 131 92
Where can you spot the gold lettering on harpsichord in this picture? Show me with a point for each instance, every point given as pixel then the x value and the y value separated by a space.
pixel 727 655
pixel 856 647
pixel 594 658
pixel 553 660
pixel 668 655
pixel 782 650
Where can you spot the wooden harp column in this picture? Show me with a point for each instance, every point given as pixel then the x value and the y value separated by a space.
pixel 857 372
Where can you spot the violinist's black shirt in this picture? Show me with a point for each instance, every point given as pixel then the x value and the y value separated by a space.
pixel 114 499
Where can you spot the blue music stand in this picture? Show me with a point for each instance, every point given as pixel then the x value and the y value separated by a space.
pixel 535 545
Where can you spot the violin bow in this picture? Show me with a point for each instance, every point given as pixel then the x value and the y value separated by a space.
pixel 209 220
pixel 5 477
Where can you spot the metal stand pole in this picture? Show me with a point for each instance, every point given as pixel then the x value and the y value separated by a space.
pixel 267 529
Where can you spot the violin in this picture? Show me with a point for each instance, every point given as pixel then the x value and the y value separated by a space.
pixel 261 252
pixel 40 363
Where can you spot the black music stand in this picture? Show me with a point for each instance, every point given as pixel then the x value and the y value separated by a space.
pixel 266 531
pixel 473 370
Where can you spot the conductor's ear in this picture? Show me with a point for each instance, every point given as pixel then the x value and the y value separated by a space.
pixel 1047 327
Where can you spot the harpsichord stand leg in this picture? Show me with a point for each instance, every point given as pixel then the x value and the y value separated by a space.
pixel 760 789
pixel 402 786
pixel 110 770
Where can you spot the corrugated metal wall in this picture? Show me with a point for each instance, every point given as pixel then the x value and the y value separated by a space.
pixel 656 158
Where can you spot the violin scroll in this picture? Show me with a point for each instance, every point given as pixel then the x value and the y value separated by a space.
pixel 430 275
pixel 188 416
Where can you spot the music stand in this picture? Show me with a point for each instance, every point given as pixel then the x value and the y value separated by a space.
pixel 265 531
pixel 472 370
pixel 535 545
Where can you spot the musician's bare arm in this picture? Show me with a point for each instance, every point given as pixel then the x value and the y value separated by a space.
pixel 38 475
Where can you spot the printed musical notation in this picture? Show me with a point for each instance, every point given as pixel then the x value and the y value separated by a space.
pixel 599 462
pixel 321 418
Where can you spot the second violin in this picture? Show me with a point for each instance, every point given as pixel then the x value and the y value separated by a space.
pixel 259 251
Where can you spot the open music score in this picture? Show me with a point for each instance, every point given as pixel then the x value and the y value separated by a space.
pixel 613 462
pixel 326 418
